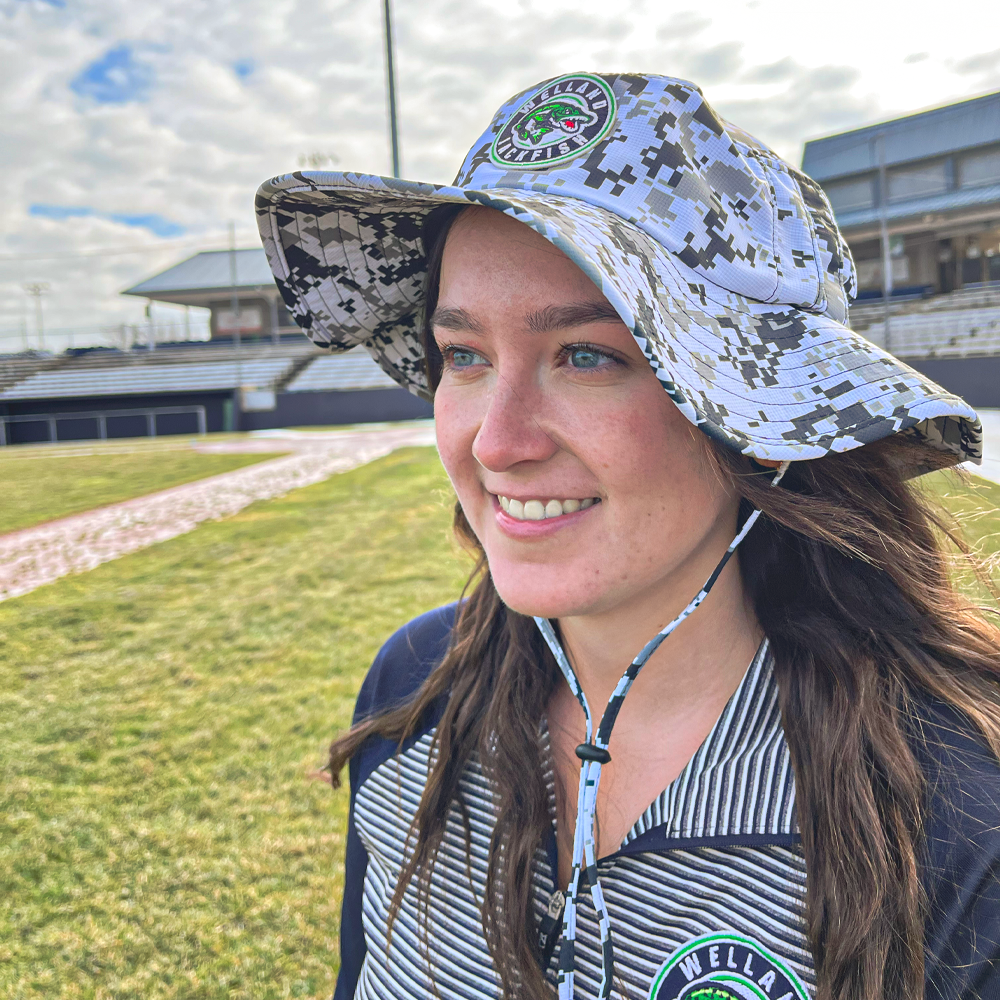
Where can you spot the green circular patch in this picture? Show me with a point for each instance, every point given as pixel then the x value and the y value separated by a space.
pixel 556 123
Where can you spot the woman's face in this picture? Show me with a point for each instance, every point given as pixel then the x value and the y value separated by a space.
pixel 584 483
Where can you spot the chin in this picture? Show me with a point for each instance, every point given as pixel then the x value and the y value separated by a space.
pixel 538 594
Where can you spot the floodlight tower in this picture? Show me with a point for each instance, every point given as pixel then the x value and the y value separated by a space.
pixel 390 86
pixel 38 289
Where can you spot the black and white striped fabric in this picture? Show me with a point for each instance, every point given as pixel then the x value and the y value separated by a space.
pixel 705 895
pixel 593 753
pixel 717 852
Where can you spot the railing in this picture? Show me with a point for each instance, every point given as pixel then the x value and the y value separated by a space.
pixel 101 419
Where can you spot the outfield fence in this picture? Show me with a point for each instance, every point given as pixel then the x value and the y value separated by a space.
pixel 100 419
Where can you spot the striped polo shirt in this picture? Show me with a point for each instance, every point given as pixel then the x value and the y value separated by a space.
pixel 705 893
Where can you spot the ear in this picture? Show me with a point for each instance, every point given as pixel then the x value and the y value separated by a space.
pixel 768 463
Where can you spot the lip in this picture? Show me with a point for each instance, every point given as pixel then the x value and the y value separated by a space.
pixel 514 528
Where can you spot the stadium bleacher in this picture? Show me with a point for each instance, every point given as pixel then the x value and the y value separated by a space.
pixel 193 386
pixel 934 334
pixel 15 367
pixel 339 372
pixel 187 367
pixel 70 382
pixel 216 385
pixel 958 324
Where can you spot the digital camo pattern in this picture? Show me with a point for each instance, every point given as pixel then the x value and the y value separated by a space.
pixel 723 260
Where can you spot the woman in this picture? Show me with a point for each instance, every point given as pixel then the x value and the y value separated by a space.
pixel 630 317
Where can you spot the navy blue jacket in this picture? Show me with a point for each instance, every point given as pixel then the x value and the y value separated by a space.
pixel 961 871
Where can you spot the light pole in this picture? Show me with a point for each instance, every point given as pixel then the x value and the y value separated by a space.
pixel 234 303
pixel 37 289
pixel 390 86
pixel 883 203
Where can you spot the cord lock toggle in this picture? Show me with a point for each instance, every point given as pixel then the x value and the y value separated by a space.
pixel 587 751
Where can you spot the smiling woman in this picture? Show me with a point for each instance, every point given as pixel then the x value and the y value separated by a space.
pixel 710 722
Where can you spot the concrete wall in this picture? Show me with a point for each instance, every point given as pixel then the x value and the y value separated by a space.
pixel 305 409
pixel 976 380
pixel 297 409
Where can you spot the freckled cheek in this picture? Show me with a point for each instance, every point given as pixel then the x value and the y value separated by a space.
pixel 627 447
pixel 456 424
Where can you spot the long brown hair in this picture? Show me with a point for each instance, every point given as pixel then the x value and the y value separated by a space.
pixel 850 581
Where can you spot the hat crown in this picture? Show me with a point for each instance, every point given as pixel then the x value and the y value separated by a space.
pixel 655 153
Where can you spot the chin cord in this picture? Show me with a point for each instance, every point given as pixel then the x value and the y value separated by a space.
pixel 593 753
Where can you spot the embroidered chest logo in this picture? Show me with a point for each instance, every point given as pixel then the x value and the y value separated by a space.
pixel 725 967
pixel 570 116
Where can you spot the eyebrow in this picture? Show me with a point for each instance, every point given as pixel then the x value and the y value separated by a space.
pixel 540 321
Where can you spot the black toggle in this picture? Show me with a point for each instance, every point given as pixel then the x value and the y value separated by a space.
pixel 587 751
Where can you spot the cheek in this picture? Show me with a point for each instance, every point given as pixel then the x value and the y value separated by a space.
pixel 644 444
pixel 659 473
pixel 456 423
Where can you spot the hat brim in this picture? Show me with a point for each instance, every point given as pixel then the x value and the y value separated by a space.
pixel 774 382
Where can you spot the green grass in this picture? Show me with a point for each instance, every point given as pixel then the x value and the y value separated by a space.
pixel 41 484
pixel 159 717
pixel 160 836
pixel 974 504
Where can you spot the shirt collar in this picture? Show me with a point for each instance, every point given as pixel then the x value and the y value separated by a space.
pixel 739 783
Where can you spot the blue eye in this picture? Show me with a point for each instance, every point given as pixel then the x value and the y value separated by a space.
pixel 459 358
pixel 584 357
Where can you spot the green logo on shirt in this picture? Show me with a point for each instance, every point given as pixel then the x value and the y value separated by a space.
pixel 725 967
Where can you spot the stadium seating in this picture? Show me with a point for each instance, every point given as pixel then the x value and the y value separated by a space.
pixel 338 372
pixel 140 380
pixel 14 367
pixel 179 368
pixel 959 324
pixel 940 334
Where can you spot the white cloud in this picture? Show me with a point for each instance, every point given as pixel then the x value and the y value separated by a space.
pixel 189 105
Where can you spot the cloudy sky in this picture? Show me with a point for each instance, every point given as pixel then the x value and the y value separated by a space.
pixel 132 134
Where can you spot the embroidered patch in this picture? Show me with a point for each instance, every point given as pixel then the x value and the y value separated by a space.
pixel 567 118
pixel 725 967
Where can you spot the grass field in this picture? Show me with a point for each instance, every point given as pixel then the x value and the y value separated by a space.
pixel 160 715
pixel 39 484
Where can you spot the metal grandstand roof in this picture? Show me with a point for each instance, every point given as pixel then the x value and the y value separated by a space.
pixel 208 272
pixel 967 198
pixel 958 126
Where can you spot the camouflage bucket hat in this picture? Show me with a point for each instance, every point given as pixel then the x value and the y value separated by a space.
pixel 723 260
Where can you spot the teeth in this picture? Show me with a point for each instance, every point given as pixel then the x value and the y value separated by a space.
pixel 535 510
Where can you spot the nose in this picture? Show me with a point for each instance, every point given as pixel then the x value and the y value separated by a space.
pixel 510 432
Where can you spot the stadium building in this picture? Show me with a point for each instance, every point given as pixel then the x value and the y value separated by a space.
pixel 918 200
pixel 257 371
pixel 213 279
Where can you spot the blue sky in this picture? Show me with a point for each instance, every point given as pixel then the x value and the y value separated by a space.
pixel 156 224
pixel 150 126
pixel 116 77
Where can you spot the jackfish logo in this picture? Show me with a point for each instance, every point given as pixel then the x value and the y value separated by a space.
pixel 725 967
pixel 569 117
